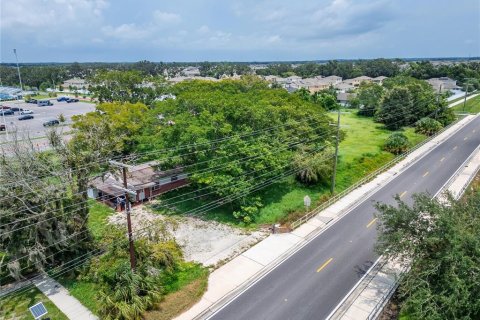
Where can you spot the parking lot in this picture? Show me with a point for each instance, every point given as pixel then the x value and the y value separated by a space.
pixel 34 127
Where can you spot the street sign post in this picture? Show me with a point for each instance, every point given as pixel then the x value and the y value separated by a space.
pixel 307 201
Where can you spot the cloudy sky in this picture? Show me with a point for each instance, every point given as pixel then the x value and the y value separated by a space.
pixel 236 30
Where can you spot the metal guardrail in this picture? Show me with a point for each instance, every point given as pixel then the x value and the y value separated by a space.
pixel 365 179
pixel 386 297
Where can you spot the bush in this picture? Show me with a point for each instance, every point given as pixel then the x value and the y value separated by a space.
pixel 396 143
pixel 427 126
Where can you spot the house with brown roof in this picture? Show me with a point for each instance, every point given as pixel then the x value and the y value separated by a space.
pixel 146 181
pixel 356 81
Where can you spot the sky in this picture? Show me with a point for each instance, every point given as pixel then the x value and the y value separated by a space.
pixel 236 30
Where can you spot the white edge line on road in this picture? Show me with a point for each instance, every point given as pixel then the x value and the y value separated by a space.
pixel 353 288
pixel 310 238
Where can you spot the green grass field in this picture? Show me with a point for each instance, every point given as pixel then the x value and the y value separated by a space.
pixel 16 306
pixel 471 106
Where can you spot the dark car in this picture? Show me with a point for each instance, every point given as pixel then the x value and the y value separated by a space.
pixel 7 112
pixel 31 101
pixel 4 108
pixel 51 123
pixel 60 99
pixel 26 117
pixel 71 100
pixel 3 127
pixel 15 109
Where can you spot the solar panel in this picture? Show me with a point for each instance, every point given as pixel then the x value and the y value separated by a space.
pixel 38 310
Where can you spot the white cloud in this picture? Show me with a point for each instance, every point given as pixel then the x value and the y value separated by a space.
pixel 203 29
pixel 126 32
pixel 166 17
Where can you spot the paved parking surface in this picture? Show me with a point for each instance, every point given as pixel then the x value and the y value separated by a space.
pixel 34 127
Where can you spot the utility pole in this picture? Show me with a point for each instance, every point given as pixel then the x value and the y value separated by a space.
pixel 332 190
pixel 18 69
pixel 127 212
pixel 465 98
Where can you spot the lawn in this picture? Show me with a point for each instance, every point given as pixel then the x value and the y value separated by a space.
pixel 359 154
pixel 182 291
pixel 471 106
pixel 97 219
pixel 15 306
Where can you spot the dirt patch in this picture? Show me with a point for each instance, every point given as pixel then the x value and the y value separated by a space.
pixel 207 242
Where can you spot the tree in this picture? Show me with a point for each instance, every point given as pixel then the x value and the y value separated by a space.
pixel 427 126
pixel 44 86
pixel 440 244
pixel 61 118
pixel 125 86
pixel 396 143
pixel 43 224
pixel 369 97
pixel 396 107
pixel 313 168
pixel 232 168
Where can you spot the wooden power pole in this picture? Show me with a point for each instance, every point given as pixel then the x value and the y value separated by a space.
pixel 127 212
pixel 334 175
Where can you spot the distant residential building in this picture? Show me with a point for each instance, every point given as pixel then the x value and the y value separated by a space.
pixel 75 83
pixel 443 84
pixel 145 180
pixel 343 87
pixel 356 81
pixel 344 98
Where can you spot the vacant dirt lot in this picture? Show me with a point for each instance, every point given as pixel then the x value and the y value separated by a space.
pixel 207 242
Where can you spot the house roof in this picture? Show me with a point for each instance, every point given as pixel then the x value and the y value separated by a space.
pixel 138 177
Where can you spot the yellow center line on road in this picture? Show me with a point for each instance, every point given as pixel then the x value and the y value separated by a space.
pixel 441 160
pixel 371 222
pixel 403 193
pixel 324 265
pixel 425 174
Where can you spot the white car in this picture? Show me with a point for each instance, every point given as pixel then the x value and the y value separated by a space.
pixel 26 112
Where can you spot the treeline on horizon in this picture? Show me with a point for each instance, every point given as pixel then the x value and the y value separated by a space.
pixel 34 75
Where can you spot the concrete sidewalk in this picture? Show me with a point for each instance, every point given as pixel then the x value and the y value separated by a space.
pixel 456 103
pixel 62 299
pixel 241 272
pixel 376 290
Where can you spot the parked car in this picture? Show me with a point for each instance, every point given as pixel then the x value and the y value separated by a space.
pixel 26 111
pixel 3 127
pixel 31 101
pixel 72 100
pixel 51 123
pixel 43 103
pixel 6 112
pixel 4 108
pixel 15 109
pixel 60 99
pixel 25 117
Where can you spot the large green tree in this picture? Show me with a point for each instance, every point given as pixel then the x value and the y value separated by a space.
pixel 223 125
pixel 441 244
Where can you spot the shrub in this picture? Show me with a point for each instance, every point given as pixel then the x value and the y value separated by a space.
pixel 427 126
pixel 396 143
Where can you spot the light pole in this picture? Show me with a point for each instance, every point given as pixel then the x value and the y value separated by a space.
pixel 18 69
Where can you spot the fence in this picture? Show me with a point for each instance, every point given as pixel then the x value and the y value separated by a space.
pixel 365 179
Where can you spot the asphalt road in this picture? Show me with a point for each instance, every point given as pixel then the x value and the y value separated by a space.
pixel 34 127
pixel 311 283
